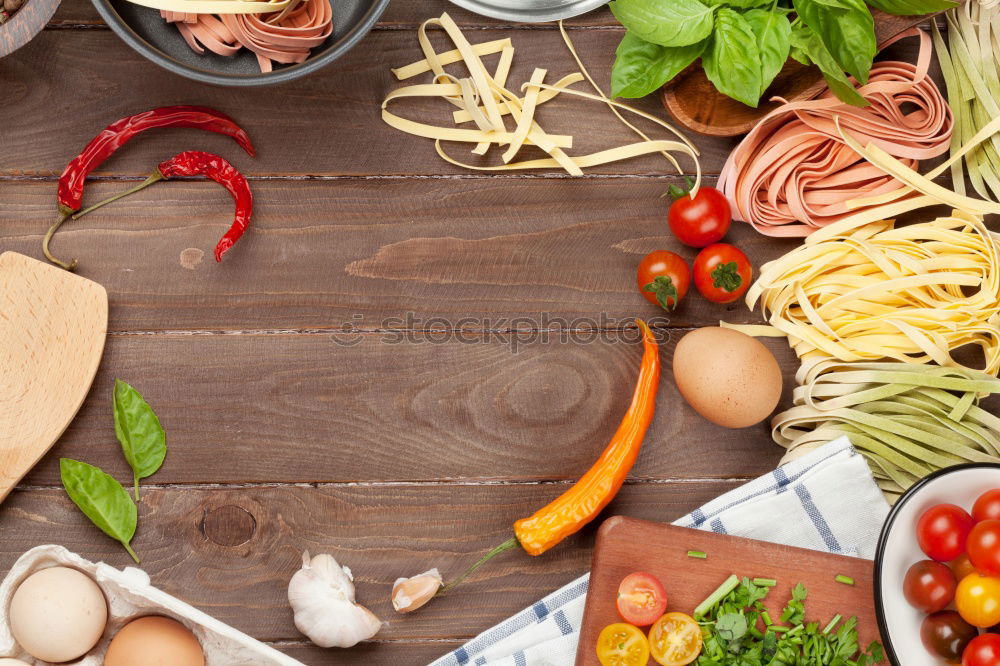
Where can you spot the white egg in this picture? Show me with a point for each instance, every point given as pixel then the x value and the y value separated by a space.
pixel 58 614
pixel 7 661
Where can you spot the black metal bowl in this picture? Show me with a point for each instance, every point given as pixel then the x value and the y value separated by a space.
pixel 144 30
pixel 897 549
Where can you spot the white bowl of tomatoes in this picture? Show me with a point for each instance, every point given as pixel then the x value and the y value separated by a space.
pixel 937 570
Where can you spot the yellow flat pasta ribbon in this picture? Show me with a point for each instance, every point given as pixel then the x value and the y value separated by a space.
pixel 484 100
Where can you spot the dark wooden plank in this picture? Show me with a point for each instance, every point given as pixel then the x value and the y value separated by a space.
pixel 398 15
pixel 373 653
pixel 375 254
pixel 302 409
pixel 336 128
pixel 240 576
pixel 326 124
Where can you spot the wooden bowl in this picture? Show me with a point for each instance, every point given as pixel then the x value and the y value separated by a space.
pixel 692 99
pixel 25 24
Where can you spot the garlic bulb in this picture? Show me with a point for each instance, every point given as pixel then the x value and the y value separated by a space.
pixel 409 594
pixel 321 594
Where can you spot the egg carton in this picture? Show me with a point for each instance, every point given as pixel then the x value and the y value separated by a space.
pixel 130 596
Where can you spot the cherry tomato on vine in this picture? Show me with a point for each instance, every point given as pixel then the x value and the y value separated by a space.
pixel 987 507
pixel 978 600
pixel 929 586
pixel 946 635
pixel 722 273
pixel 622 644
pixel 983 651
pixel 701 220
pixel 675 640
pixel 641 599
pixel 983 545
pixel 663 278
pixel 942 531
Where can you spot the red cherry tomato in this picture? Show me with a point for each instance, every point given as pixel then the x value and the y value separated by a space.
pixel 663 278
pixel 942 531
pixel 987 507
pixel 982 651
pixel 929 586
pixel 983 545
pixel 641 599
pixel 946 635
pixel 701 220
pixel 961 566
pixel 722 273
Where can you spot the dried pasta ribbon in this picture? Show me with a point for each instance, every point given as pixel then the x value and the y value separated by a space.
pixel 214 6
pixel 793 173
pixel 284 38
pixel 913 293
pixel 485 103
pixel 906 420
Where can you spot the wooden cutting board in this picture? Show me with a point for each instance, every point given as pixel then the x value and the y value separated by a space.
pixel 52 330
pixel 626 545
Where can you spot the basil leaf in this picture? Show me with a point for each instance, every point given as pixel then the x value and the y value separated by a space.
pixel 847 30
pixel 139 432
pixel 805 41
pixel 102 499
pixel 912 7
pixel 641 67
pixel 739 4
pixel 665 22
pixel 732 59
pixel 773 33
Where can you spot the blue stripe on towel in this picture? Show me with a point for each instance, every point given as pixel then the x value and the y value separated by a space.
pixel 564 626
pixel 817 519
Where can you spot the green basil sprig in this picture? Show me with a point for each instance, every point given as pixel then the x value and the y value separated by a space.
pixel 102 499
pixel 665 36
pixel 139 432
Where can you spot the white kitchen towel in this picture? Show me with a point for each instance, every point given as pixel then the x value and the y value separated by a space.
pixel 826 500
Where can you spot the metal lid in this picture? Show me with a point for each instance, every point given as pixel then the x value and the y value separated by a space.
pixel 530 11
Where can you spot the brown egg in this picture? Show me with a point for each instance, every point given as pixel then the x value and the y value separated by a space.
pixel 154 641
pixel 728 377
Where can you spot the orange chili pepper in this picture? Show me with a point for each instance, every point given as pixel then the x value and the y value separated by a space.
pixel 576 507
pixel 580 504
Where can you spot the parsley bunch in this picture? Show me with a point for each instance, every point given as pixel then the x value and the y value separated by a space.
pixel 732 620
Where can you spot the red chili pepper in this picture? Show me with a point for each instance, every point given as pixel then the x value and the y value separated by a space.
pixel 196 163
pixel 117 134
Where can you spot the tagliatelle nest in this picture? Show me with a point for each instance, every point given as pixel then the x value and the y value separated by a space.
pixel 484 101
pixel 863 289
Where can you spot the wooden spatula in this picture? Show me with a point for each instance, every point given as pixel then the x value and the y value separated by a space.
pixel 692 99
pixel 52 330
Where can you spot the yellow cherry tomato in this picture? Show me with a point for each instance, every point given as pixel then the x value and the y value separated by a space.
pixel 675 640
pixel 622 644
pixel 978 600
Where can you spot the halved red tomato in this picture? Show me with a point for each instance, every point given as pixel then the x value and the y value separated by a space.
pixel 675 640
pixel 641 599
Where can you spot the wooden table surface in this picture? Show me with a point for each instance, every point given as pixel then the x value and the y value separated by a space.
pixel 417 438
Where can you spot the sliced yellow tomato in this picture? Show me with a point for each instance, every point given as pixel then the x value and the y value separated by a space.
pixel 622 644
pixel 675 640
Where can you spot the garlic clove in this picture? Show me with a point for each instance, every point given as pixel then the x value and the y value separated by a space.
pixel 321 595
pixel 409 594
